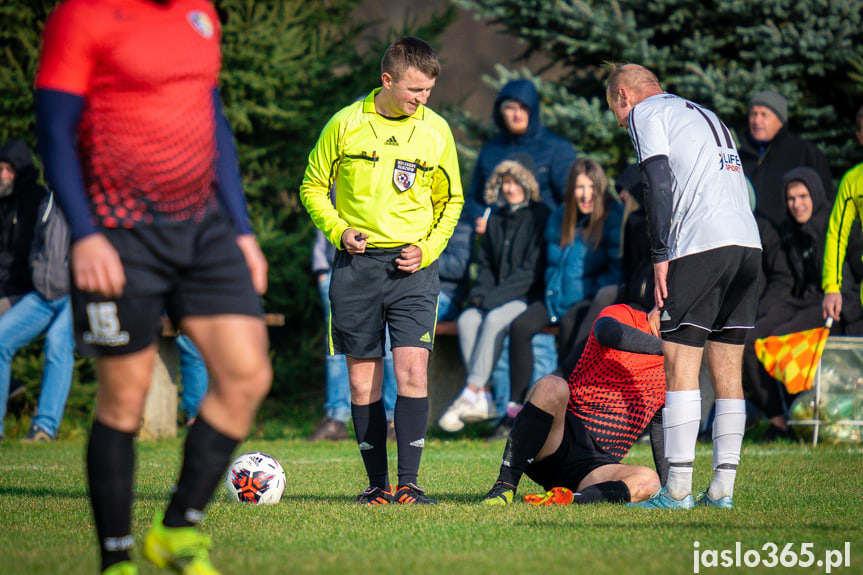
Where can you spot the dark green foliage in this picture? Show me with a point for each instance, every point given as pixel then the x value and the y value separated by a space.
pixel 716 53
pixel 20 26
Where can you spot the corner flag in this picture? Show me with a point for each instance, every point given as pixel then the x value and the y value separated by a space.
pixel 793 358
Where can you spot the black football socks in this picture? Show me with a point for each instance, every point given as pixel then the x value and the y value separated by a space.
pixel 606 492
pixel 370 427
pixel 207 456
pixel 110 474
pixel 529 433
pixel 411 420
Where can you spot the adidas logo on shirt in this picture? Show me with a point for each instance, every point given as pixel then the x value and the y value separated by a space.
pixel 391 141
pixel 365 446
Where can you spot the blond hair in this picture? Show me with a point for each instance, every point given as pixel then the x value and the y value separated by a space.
pixel 633 76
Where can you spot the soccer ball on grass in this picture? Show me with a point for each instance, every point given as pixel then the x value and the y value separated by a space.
pixel 255 478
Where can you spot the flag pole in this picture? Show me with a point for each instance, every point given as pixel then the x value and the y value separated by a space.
pixel 816 365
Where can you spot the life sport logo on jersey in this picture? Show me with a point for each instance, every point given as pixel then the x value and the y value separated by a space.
pixel 730 162
pixel 201 23
pixel 404 174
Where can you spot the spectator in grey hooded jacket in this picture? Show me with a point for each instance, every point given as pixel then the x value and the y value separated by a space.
pixel 40 302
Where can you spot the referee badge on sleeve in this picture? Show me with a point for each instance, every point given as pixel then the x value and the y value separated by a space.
pixel 404 174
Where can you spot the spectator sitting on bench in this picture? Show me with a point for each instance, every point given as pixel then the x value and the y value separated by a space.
pixel 510 276
pixel 583 254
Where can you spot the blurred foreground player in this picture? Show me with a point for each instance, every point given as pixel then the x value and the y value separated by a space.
pixel 143 162
pixel 575 435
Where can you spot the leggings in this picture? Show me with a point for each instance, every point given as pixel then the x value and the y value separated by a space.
pixel 532 321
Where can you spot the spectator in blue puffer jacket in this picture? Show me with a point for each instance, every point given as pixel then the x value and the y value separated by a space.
pixel 516 115
pixel 583 255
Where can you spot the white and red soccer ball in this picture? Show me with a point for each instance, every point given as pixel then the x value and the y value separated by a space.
pixel 255 478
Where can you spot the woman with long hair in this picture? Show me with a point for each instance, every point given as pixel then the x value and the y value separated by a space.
pixel 583 255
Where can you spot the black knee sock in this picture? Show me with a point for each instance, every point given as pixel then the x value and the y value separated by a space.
pixel 370 427
pixel 528 435
pixel 657 443
pixel 111 477
pixel 205 461
pixel 411 420
pixel 608 491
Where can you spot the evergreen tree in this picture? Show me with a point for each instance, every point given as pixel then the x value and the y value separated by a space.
pixel 715 53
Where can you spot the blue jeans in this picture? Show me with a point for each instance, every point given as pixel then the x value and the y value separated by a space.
pixel 193 376
pixel 447 307
pixel 544 362
pixel 337 401
pixel 29 318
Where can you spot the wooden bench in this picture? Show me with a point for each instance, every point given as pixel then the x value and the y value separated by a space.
pixel 446 372
pixel 160 410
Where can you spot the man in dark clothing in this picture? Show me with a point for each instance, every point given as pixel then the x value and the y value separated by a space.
pixel 798 306
pixel 34 287
pixel 20 196
pixel 516 115
pixel 769 149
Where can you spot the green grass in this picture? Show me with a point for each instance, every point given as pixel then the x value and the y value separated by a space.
pixel 785 494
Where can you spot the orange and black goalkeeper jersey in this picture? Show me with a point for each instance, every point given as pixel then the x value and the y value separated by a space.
pixel 616 393
pixel 147 73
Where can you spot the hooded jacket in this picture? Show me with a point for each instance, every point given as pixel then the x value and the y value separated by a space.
pixel 785 152
pixel 19 212
pixel 49 255
pixel 804 248
pixel 511 254
pixel 552 154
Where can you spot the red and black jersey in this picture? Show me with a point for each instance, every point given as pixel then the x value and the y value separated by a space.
pixel 147 72
pixel 616 393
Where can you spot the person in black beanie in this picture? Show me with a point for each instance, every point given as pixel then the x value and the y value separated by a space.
pixel 769 149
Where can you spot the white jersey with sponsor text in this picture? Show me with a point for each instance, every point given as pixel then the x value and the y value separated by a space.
pixel 711 200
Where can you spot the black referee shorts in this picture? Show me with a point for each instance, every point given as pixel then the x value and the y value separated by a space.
pixel 368 293
pixel 184 269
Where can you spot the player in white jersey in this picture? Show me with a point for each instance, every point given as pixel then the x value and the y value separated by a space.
pixel 706 254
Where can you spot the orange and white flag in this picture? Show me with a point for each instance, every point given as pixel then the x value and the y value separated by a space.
pixel 793 358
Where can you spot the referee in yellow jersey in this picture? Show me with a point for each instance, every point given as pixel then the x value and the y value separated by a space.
pixel 393 163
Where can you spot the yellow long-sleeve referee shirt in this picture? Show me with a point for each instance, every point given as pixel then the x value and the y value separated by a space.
pixel 396 180
pixel 846 209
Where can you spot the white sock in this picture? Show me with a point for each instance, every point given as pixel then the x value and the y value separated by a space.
pixel 679 483
pixel 681 418
pixel 728 428
pixel 722 484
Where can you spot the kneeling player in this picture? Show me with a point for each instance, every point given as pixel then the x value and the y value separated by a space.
pixel 575 435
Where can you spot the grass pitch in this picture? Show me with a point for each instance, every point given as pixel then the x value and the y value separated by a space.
pixel 786 494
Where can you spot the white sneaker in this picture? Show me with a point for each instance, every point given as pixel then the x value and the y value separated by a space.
pixel 451 419
pixel 480 410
